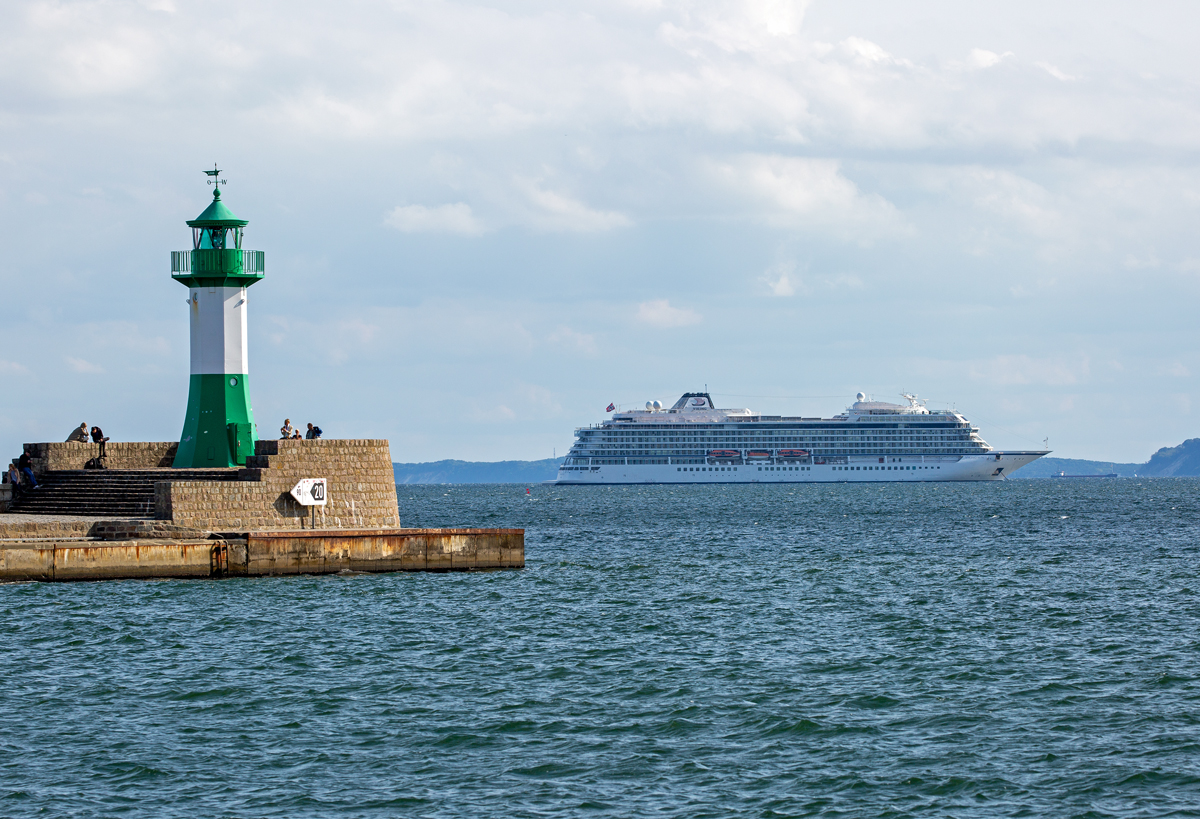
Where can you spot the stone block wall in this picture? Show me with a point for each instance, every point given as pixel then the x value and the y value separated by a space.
pixel 49 457
pixel 361 490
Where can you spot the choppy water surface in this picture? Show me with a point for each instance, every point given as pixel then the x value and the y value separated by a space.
pixel 1017 649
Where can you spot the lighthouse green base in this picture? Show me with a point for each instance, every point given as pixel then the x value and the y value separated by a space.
pixel 218 430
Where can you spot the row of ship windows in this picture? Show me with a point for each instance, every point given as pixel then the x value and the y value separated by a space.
pixel 876 468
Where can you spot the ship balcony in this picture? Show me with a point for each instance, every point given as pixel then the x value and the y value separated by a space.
pixel 214 263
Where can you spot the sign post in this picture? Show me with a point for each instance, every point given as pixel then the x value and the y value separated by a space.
pixel 311 492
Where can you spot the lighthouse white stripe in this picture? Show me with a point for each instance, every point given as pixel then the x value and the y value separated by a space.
pixel 218 330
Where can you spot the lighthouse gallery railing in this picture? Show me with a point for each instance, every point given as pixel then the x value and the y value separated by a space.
pixel 218 262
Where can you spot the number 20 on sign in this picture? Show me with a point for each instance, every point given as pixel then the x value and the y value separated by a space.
pixel 310 492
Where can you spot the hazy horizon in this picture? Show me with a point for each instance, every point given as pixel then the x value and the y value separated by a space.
pixel 484 223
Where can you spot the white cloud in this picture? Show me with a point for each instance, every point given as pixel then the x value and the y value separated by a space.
pixel 79 365
pixel 982 58
pixel 558 212
pixel 1011 370
pixel 12 368
pixel 865 51
pixel 455 218
pixel 779 279
pixel 584 342
pixel 1055 72
pixel 810 193
pixel 660 313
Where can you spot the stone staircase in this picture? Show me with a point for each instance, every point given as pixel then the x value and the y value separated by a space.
pixel 106 492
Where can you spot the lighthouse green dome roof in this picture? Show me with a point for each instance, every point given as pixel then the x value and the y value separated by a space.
pixel 217 215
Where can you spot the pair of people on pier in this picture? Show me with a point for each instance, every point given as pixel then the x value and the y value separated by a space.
pixel 20 474
pixel 289 432
pixel 80 435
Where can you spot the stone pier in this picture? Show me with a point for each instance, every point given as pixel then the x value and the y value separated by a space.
pixel 230 523
pixel 259 554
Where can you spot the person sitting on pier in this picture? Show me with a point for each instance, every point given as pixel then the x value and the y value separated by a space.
pixel 296 435
pixel 14 480
pixel 287 430
pixel 98 438
pixel 25 465
pixel 313 433
pixel 79 434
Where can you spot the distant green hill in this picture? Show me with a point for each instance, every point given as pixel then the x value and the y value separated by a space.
pixel 478 471
pixel 1177 461
pixel 1051 467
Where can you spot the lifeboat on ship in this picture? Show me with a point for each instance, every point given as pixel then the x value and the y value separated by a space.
pixel 758 454
pixel 724 453
pixel 792 453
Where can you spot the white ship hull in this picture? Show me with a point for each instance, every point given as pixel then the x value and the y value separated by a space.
pixel 990 467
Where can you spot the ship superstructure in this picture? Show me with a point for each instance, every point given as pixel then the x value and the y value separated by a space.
pixel 695 442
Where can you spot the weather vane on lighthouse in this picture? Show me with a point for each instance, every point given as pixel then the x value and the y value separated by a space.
pixel 218 428
pixel 215 176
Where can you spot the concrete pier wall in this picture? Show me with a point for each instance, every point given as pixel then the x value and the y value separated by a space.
pixel 267 553
pixel 49 457
pixel 51 561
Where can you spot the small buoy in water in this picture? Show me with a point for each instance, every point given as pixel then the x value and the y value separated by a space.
pixel 527 490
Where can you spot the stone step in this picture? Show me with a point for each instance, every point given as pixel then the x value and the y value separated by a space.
pixel 118 492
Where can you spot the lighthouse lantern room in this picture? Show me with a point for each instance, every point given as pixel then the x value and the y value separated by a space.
pixel 218 430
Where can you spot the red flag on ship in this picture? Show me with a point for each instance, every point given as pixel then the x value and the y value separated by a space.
pixel 611 407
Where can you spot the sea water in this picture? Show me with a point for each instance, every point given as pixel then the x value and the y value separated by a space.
pixel 1026 648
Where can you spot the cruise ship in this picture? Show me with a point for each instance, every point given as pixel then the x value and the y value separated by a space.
pixel 872 441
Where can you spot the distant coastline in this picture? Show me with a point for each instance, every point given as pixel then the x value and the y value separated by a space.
pixel 1181 461
pixel 1178 461
pixel 477 471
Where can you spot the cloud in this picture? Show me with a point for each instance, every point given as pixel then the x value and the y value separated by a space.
pixel 558 212
pixel 1054 72
pixel 778 279
pixel 81 366
pixel 520 402
pixel 810 193
pixel 867 52
pixel 1133 262
pixel 1013 370
pixel 12 368
pixel 982 58
pixel 660 313
pixel 584 342
pixel 455 218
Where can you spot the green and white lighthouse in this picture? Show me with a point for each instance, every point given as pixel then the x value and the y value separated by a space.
pixel 219 427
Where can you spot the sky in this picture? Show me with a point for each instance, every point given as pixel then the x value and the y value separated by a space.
pixel 483 223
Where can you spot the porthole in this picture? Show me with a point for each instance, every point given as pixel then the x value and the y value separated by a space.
pixel 233 381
